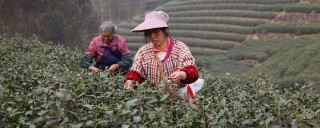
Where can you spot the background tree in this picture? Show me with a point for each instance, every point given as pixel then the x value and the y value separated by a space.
pixel 118 10
pixel 72 23
pixel 66 22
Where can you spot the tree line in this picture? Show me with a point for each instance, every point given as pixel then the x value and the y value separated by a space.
pixel 118 10
pixel 65 22
pixel 68 22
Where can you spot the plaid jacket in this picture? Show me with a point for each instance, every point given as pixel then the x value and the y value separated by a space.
pixel 145 66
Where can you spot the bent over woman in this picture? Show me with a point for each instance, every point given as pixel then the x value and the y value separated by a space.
pixel 109 50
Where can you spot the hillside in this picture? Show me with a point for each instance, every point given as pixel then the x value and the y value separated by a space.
pixel 296 60
pixel 215 30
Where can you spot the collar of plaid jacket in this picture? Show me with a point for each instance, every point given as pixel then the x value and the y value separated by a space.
pixel 165 49
pixel 169 49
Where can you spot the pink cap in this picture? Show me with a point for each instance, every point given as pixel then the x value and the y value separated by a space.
pixel 154 19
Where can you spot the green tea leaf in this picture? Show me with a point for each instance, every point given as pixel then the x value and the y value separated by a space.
pixel 131 102
pixel 88 106
pixel 164 97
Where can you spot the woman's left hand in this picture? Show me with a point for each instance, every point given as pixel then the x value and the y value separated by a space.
pixel 177 76
pixel 113 67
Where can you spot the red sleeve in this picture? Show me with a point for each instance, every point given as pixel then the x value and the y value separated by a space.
pixel 124 48
pixel 192 74
pixel 92 48
pixel 134 75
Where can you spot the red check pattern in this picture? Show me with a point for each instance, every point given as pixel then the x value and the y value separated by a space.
pixel 145 65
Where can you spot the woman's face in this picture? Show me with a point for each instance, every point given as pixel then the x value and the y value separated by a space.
pixel 107 36
pixel 156 36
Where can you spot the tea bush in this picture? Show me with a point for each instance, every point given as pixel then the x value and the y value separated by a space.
pixel 43 86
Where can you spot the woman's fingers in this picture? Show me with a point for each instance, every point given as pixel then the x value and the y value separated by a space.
pixel 113 67
pixel 173 77
pixel 128 85
pixel 94 69
pixel 177 76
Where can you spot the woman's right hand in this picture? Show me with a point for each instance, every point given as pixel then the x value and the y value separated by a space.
pixel 128 85
pixel 94 69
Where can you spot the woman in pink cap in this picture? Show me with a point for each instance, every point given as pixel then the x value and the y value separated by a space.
pixel 163 59
pixel 109 50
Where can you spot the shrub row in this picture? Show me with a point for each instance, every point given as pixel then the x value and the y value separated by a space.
pixel 256 50
pixel 208 20
pixel 298 59
pixel 127 25
pixel 135 46
pixel 134 39
pixel 223 45
pixel 135 43
pixel 197 51
pixel 127 32
pixel 302 8
pixel 151 4
pixel 192 34
pixel 272 2
pixel 138 19
pixel 201 27
pixel 220 64
pixel 271 8
pixel 212 27
pixel 208 35
pixel 290 28
pixel 214 13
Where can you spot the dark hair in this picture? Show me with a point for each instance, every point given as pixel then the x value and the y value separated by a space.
pixel 162 29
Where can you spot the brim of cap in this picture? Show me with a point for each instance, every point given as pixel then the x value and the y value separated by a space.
pixel 150 24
